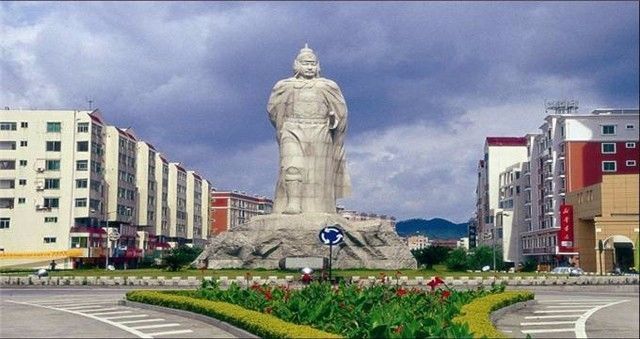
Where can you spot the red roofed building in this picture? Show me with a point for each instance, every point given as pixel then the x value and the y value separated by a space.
pixel 231 209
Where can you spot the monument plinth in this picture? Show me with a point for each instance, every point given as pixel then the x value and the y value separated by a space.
pixel 309 114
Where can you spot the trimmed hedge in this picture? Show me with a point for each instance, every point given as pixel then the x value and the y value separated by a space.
pixel 477 314
pixel 260 324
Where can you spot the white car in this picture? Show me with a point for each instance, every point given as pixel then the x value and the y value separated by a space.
pixel 572 271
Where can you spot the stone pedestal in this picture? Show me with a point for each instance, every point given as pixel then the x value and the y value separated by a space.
pixel 265 240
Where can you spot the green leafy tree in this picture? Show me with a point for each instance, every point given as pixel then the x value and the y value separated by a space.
pixel 529 265
pixel 483 256
pixel 457 259
pixel 431 255
pixel 180 257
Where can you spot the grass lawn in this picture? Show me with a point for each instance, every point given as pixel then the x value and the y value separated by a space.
pixel 438 270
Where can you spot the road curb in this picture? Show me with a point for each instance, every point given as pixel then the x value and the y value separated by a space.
pixel 513 307
pixel 238 332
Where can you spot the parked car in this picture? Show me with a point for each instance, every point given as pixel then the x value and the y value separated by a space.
pixel 572 271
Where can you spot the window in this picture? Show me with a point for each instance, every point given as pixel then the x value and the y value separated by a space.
pixel 23 163
pixel 608 166
pixel 608 129
pixel 82 202
pixel 82 165
pixel 7 126
pixel 83 146
pixel 21 200
pixel 24 124
pixel 52 165
pixel 50 219
pixel 4 222
pixel 608 148
pixel 7 164
pixel 53 127
pixel 49 240
pixel 7 202
pixel 7 145
pixel 77 242
pixel 53 146
pixel 630 126
pixel 51 202
pixel 7 183
pixel 23 143
pixel 51 184
pixel 81 183
pixel 22 182
pixel 631 163
pixel 630 145
pixel 83 127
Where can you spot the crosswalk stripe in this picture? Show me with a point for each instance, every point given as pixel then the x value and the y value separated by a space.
pixel 127 316
pixel 141 321
pixel 110 313
pixel 547 323
pixel 80 308
pixel 154 326
pixel 548 330
pixel 572 300
pixel 563 311
pixel 572 306
pixel 169 332
pixel 101 310
pixel 76 303
pixel 554 316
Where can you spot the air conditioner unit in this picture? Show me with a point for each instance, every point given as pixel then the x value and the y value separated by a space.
pixel 40 169
pixel 39 207
pixel 39 187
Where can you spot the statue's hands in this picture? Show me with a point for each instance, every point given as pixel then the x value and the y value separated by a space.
pixel 333 120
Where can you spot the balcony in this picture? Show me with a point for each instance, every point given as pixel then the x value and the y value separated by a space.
pixel 548 177
pixel 549 213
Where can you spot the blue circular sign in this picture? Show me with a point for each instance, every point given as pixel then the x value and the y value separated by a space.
pixel 331 235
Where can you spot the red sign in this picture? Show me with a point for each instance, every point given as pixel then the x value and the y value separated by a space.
pixel 565 236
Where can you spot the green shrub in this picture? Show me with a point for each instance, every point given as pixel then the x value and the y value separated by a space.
pixel 180 257
pixel 530 265
pixel 431 255
pixel 457 260
pixel 261 324
pixel 477 314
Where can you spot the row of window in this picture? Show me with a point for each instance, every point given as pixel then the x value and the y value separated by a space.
pixel 611 166
pixel 610 147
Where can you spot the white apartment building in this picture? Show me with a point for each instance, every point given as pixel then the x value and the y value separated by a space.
pixel 499 154
pixel 510 215
pixel 417 242
pixel 66 177
pixel 51 181
pixel 177 201
pixel 195 231
pixel 206 212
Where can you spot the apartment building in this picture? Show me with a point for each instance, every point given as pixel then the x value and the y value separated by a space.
pixel 571 152
pixel 51 181
pixel 361 216
pixel 417 242
pixel 494 224
pixel 67 178
pixel 177 201
pixel 231 209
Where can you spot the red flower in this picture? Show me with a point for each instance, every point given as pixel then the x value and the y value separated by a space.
pixel 398 329
pixel 445 294
pixel 435 282
pixel 438 280
pixel 267 295
pixel 400 292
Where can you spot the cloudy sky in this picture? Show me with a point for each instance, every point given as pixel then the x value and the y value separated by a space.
pixel 425 83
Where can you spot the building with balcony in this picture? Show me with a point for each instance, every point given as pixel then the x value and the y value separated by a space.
pixel 231 209
pixel 417 242
pixel 66 177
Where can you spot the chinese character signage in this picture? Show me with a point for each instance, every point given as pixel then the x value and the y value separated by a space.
pixel 565 236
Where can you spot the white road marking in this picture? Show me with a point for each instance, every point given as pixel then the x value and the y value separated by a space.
pixel 110 313
pixel 143 327
pixel 547 323
pixel 81 308
pixel 127 316
pixel 549 330
pixel 101 310
pixel 554 316
pixel 570 300
pixel 122 327
pixel 573 306
pixel 581 323
pixel 76 303
pixel 141 321
pixel 563 311
pixel 169 332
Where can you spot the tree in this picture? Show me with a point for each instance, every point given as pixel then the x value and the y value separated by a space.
pixel 430 256
pixel 180 257
pixel 483 256
pixel 457 260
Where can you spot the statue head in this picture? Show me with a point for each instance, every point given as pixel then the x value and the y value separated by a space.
pixel 306 64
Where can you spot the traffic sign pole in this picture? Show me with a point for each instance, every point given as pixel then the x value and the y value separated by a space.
pixel 331 236
pixel 330 259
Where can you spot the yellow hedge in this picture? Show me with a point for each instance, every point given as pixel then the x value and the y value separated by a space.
pixel 260 324
pixel 477 314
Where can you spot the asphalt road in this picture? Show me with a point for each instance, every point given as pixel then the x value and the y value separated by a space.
pixel 592 312
pixel 90 313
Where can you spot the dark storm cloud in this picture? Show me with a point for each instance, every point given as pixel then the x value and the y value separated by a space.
pixel 193 78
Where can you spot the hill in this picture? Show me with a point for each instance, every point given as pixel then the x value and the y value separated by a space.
pixel 435 228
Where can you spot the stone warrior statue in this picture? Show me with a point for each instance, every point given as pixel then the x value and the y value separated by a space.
pixel 309 114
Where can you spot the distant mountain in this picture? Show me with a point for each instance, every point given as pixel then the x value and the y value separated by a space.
pixel 435 228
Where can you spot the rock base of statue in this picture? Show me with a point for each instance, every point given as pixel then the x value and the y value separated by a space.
pixel 266 240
